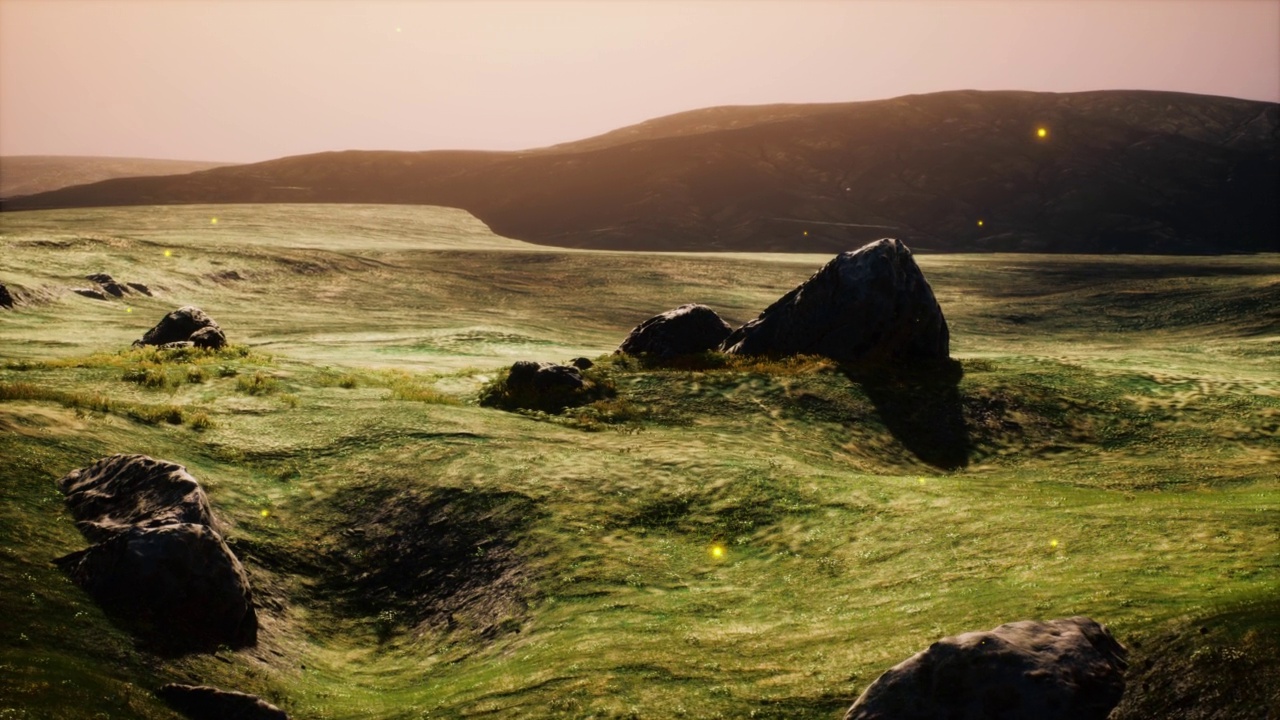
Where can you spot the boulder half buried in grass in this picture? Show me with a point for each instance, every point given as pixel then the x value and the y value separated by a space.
pixel 201 702
pixel 542 386
pixel 158 562
pixel 183 325
pixel 685 330
pixel 1067 669
pixel 870 305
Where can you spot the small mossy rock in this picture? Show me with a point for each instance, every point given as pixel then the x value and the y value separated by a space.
pixel 685 330
pixel 582 363
pixel 201 702
pixel 211 338
pixel 1066 669
pixel 543 377
pixel 121 492
pixel 870 305
pixel 93 293
pixel 100 278
pixel 6 300
pixel 140 288
pixel 177 326
pixel 178 584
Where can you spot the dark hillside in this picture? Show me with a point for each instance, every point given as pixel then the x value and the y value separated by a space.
pixel 1117 171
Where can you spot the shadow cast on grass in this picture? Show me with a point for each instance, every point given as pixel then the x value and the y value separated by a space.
pixel 922 408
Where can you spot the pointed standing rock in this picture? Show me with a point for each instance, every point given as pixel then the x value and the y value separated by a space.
pixel 871 305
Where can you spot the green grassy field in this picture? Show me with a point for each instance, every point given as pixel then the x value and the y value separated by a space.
pixel 1111 450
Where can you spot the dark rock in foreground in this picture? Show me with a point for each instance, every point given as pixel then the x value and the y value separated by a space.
pixel 121 492
pixel 685 330
pixel 1067 669
pixel 6 300
pixel 871 305
pixel 158 562
pixel 201 702
pixel 582 363
pixel 178 583
pixel 179 326
pixel 140 288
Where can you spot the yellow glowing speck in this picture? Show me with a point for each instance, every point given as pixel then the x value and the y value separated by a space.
pixel 717 551
pixel 168 253
pixel 920 480
pixel 806 232
pixel 981 223
pixel 1053 543
pixel 397 29
pixel 1042 133
pixel 128 309
pixel 214 221
pixel 265 513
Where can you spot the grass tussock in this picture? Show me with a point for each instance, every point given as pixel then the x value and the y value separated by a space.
pixel 259 383
pixel 93 402
pixel 146 356
pixel 411 388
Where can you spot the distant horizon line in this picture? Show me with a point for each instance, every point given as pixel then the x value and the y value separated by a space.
pixel 29 155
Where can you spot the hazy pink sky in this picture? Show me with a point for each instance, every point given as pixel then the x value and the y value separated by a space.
pixel 246 80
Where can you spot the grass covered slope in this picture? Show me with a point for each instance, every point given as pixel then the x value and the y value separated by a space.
pixel 725 539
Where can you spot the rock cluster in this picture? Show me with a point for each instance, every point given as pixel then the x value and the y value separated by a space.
pixel 867 306
pixel 685 330
pixel 185 326
pixel 106 285
pixel 157 560
pixel 201 702
pixel 1067 669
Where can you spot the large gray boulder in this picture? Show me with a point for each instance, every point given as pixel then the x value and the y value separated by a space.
pixel 201 702
pixel 1067 669
pixel 870 305
pixel 179 326
pixel 157 560
pixel 120 492
pixel 685 330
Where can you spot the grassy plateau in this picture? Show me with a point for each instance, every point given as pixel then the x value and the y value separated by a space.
pixel 723 539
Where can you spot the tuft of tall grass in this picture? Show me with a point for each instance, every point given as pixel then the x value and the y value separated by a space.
pixel 93 402
pixel 259 383
pixel 131 358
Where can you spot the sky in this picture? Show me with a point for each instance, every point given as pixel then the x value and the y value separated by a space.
pixel 250 80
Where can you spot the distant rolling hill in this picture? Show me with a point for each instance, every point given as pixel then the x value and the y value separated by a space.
pixel 30 174
pixel 1115 171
